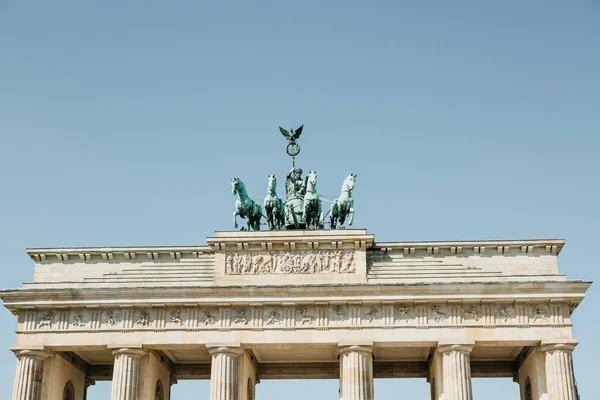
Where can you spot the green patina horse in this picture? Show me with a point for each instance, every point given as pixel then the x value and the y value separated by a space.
pixel 343 205
pixel 245 207
pixel 274 206
pixel 313 215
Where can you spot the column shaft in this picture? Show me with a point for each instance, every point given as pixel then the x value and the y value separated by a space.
pixel 126 374
pixel 456 367
pixel 28 378
pixel 356 373
pixel 560 378
pixel 224 373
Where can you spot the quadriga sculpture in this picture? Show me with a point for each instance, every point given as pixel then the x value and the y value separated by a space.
pixel 274 206
pixel 313 215
pixel 343 205
pixel 245 207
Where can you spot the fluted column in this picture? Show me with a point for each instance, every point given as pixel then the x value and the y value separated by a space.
pixel 456 371
pixel 356 373
pixel 224 373
pixel 126 374
pixel 560 379
pixel 28 379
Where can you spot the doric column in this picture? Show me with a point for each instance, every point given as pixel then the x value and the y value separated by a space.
pixel 356 372
pixel 126 374
pixel 456 371
pixel 560 379
pixel 224 373
pixel 28 379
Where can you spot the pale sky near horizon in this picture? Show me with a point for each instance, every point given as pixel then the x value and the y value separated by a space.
pixel 122 123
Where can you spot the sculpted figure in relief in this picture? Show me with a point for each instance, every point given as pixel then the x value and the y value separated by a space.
pixel 540 312
pixel 290 262
pixel 438 314
pixel 209 318
pixel 274 317
pixel 78 320
pixel 504 313
pixel 176 317
pixel 240 316
pixel 112 318
pixel 403 314
pixel 372 314
pixel 47 320
pixel 143 318
pixel 340 315
pixel 305 318
pixel 471 313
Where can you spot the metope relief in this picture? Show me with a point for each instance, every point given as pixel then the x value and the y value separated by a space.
pixel 304 317
pixel 437 314
pixel 47 320
pixel 208 317
pixel 290 262
pixel 402 314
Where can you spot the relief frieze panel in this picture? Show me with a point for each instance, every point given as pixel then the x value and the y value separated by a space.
pixel 291 316
pixel 290 262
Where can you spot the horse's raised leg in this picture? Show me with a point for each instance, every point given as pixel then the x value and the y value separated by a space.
pixel 351 216
pixel 235 214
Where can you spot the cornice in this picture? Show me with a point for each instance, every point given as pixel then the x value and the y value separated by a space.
pixel 267 240
pixel 110 253
pixel 571 292
pixel 478 247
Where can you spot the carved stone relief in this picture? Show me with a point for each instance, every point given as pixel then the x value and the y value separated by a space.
pixel 78 320
pixel 437 314
pixel 471 313
pixel 371 314
pixel 402 314
pixel 47 320
pixel 505 313
pixel 143 319
pixel 540 312
pixel 305 318
pixel 112 318
pixel 339 315
pixel 290 262
pixel 175 317
pixel 273 317
pixel 239 316
pixel 209 318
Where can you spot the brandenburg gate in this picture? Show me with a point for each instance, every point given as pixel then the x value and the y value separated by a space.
pixel 295 302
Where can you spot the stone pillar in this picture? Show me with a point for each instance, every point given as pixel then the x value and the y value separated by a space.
pixel 224 379
pixel 456 371
pixel 126 374
pixel 356 373
pixel 560 379
pixel 28 379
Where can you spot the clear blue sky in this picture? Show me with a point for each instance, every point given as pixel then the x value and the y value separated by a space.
pixel 122 123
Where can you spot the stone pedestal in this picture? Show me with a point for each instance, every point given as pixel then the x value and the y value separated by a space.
pixel 28 378
pixel 126 374
pixel 356 373
pixel 456 371
pixel 560 379
pixel 224 380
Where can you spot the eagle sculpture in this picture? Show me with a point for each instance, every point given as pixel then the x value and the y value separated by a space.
pixel 291 135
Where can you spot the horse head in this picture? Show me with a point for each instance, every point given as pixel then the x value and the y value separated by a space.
pixel 272 182
pixel 311 182
pixel 236 185
pixel 349 182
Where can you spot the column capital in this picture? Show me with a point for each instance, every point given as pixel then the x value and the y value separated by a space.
pixel 131 351
pixel 224 349
pixel 464 347
pixel 31 353
pixel 563 345
pixel 357 348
